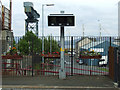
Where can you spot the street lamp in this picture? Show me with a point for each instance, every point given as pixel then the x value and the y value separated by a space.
pixel 100 28
pixel 43 28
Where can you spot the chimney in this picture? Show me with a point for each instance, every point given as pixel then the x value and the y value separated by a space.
pixel 10 14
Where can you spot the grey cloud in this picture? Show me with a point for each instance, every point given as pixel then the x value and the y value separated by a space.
pixel 86 11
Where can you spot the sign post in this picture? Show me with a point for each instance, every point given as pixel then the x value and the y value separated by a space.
pixel 61 20
pixel 62 71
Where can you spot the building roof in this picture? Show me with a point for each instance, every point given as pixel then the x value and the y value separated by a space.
pixel 93 44
pixel 83 38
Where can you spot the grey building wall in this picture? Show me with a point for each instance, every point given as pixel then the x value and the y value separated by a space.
pixel 7 40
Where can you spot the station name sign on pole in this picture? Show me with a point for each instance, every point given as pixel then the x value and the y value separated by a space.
pixel 61 20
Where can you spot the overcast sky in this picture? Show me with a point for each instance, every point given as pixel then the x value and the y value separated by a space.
pixel 86 12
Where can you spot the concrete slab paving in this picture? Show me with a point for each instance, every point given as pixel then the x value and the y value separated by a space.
pixel 52 82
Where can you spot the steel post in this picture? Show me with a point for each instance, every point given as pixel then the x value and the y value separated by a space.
pixel 43 32
pixel 62 71
pixel 71 56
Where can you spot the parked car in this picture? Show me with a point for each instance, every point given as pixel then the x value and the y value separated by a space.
pixel 77 61
pixel 103 61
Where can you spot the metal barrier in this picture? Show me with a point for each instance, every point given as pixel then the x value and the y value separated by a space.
pixel 83 56
pixel 22 71
pixel 119 67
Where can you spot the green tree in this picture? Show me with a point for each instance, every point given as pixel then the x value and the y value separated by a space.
pixel 14 43
pixel 27 42
pixel 54 43
pixel 23 47
pixel 31 40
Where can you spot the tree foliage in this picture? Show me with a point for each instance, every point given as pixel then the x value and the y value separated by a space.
pixel 31 40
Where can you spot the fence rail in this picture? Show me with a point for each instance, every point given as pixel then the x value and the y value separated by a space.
pixel 30 48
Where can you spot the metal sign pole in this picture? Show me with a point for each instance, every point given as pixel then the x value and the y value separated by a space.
pixel 71 56
pixel 62 71
pixel 61 20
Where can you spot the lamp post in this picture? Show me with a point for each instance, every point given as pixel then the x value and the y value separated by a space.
pixel 100 28
pixel 43 28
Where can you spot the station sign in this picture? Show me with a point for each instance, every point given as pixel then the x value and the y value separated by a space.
pixel 61 20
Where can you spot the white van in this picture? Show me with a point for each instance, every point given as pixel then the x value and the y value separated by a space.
pixel 103 61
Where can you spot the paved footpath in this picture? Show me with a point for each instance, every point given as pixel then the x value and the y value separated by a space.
pixel 53 83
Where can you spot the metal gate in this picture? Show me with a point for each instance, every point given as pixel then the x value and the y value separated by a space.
pixel 114 64
pixel 83 56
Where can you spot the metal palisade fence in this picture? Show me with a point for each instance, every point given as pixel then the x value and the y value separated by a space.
pixel 22 56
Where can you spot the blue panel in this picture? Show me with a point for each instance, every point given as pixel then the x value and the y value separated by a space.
pixel 91 62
